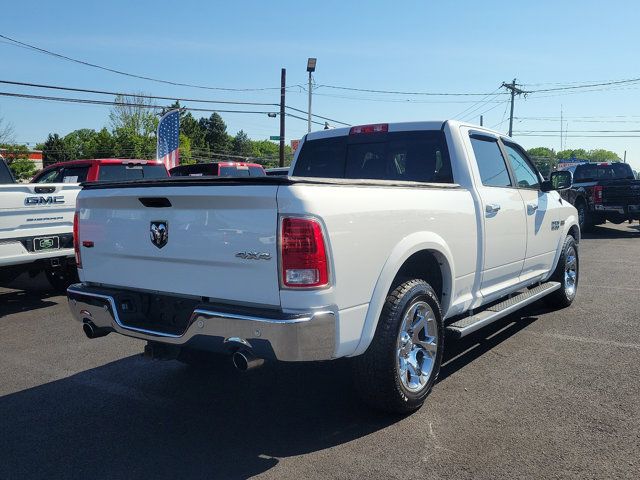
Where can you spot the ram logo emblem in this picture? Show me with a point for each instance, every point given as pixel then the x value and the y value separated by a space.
pixel 159 231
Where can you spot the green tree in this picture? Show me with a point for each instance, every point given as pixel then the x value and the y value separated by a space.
pixel 186 158
pixel 17 157
pixel 241 144
pixel 602 155
pixel 265 149
pixel 216 135
pixel 80 143
pixel 53 150
pixel 542 152
pixel 6 131
pixel 573 154
pixel 194 130
pixel 135 114
pixel 103 144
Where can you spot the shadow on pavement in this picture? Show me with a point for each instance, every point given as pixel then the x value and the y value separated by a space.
pixel 137 418
pixel 26 293
pixel 602 231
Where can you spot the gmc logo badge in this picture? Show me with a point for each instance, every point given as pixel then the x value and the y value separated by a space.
pixel 44 200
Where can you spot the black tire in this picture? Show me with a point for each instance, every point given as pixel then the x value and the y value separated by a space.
pixel 376 373
pixel 61 278
pixel 564 296
pixel 585 222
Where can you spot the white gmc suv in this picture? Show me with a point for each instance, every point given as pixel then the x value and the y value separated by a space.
pixel 384 238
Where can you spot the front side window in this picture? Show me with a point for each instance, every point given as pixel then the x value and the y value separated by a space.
pixel 526 177
pixel 491 164
pixel 52 176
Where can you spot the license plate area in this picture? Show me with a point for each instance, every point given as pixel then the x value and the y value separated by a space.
pixel 46 243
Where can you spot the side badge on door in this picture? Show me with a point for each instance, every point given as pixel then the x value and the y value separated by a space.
pixel 159 231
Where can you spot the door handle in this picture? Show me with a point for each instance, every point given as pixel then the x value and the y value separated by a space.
pixel 492 208
pixel 531 208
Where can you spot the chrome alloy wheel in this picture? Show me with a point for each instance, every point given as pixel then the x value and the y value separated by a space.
pixel 570 272
pixel 417 346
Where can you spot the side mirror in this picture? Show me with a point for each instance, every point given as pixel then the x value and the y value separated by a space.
pixel 560 180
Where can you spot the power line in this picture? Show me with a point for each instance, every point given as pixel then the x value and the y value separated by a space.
pixel 156 97
pixel 124 104
pixel 134 95
pixel 133 75
pixel 587 85
pixel 399 92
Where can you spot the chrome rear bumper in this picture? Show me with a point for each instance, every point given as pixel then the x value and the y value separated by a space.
pixel 287 337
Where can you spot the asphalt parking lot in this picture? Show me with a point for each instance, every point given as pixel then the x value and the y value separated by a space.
pixel 541 394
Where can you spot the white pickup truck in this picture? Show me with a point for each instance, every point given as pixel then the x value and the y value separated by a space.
pixel 36 222
pixel 384 238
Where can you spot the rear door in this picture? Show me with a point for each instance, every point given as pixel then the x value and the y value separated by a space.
pixel 543 227
pixel 504 218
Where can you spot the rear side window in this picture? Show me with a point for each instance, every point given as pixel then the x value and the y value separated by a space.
pixel 493 169
pixel 123 172
pixel 418 156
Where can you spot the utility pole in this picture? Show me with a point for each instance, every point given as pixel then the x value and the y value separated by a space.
pixel 481 120
pixel 283 83
pixel 560 127
pixel 513 87
pixel 311 67
pixel 625 157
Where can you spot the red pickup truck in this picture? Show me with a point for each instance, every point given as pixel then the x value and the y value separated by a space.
pixel 101 169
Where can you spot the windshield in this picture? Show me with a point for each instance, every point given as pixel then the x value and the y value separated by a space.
pixel 615 171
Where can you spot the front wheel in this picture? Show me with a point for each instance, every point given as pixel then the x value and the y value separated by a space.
pixel 399 368
pixel 567 274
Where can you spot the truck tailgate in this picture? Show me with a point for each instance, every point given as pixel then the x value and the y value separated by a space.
pixel 209 229
pixel 42 208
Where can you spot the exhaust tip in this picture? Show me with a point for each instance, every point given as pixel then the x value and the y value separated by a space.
pixel 245 360
pixel 91 331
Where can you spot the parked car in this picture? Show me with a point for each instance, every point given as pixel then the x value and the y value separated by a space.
pixel 36 220
pixel 218 169
pixel 385 237
pixel 282 171
pixel 101 170
pixel 604 192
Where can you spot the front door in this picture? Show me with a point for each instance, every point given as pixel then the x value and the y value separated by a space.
pixel 539 206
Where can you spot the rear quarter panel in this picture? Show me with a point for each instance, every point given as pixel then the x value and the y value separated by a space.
pixel 371 231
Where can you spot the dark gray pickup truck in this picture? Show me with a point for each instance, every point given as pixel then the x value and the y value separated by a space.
pixel 604 192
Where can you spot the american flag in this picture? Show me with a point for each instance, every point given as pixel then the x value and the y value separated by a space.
pixel 169 139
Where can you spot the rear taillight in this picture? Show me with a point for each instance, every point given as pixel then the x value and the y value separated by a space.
pixel 597 194
pixel 76 240
pixel 303 253
pixel 375 128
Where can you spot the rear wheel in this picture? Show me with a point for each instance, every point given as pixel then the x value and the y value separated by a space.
pixel 584 219
pixel 567 274
pixel 399 368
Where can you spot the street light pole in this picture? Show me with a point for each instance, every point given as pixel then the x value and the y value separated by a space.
pixel 311 67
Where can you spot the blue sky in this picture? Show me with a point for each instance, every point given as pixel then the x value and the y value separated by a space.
pixel 423 46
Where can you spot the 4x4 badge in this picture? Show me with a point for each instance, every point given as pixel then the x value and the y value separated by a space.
pixel 159 230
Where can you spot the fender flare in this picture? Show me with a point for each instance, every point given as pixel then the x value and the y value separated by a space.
pixel 409 245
